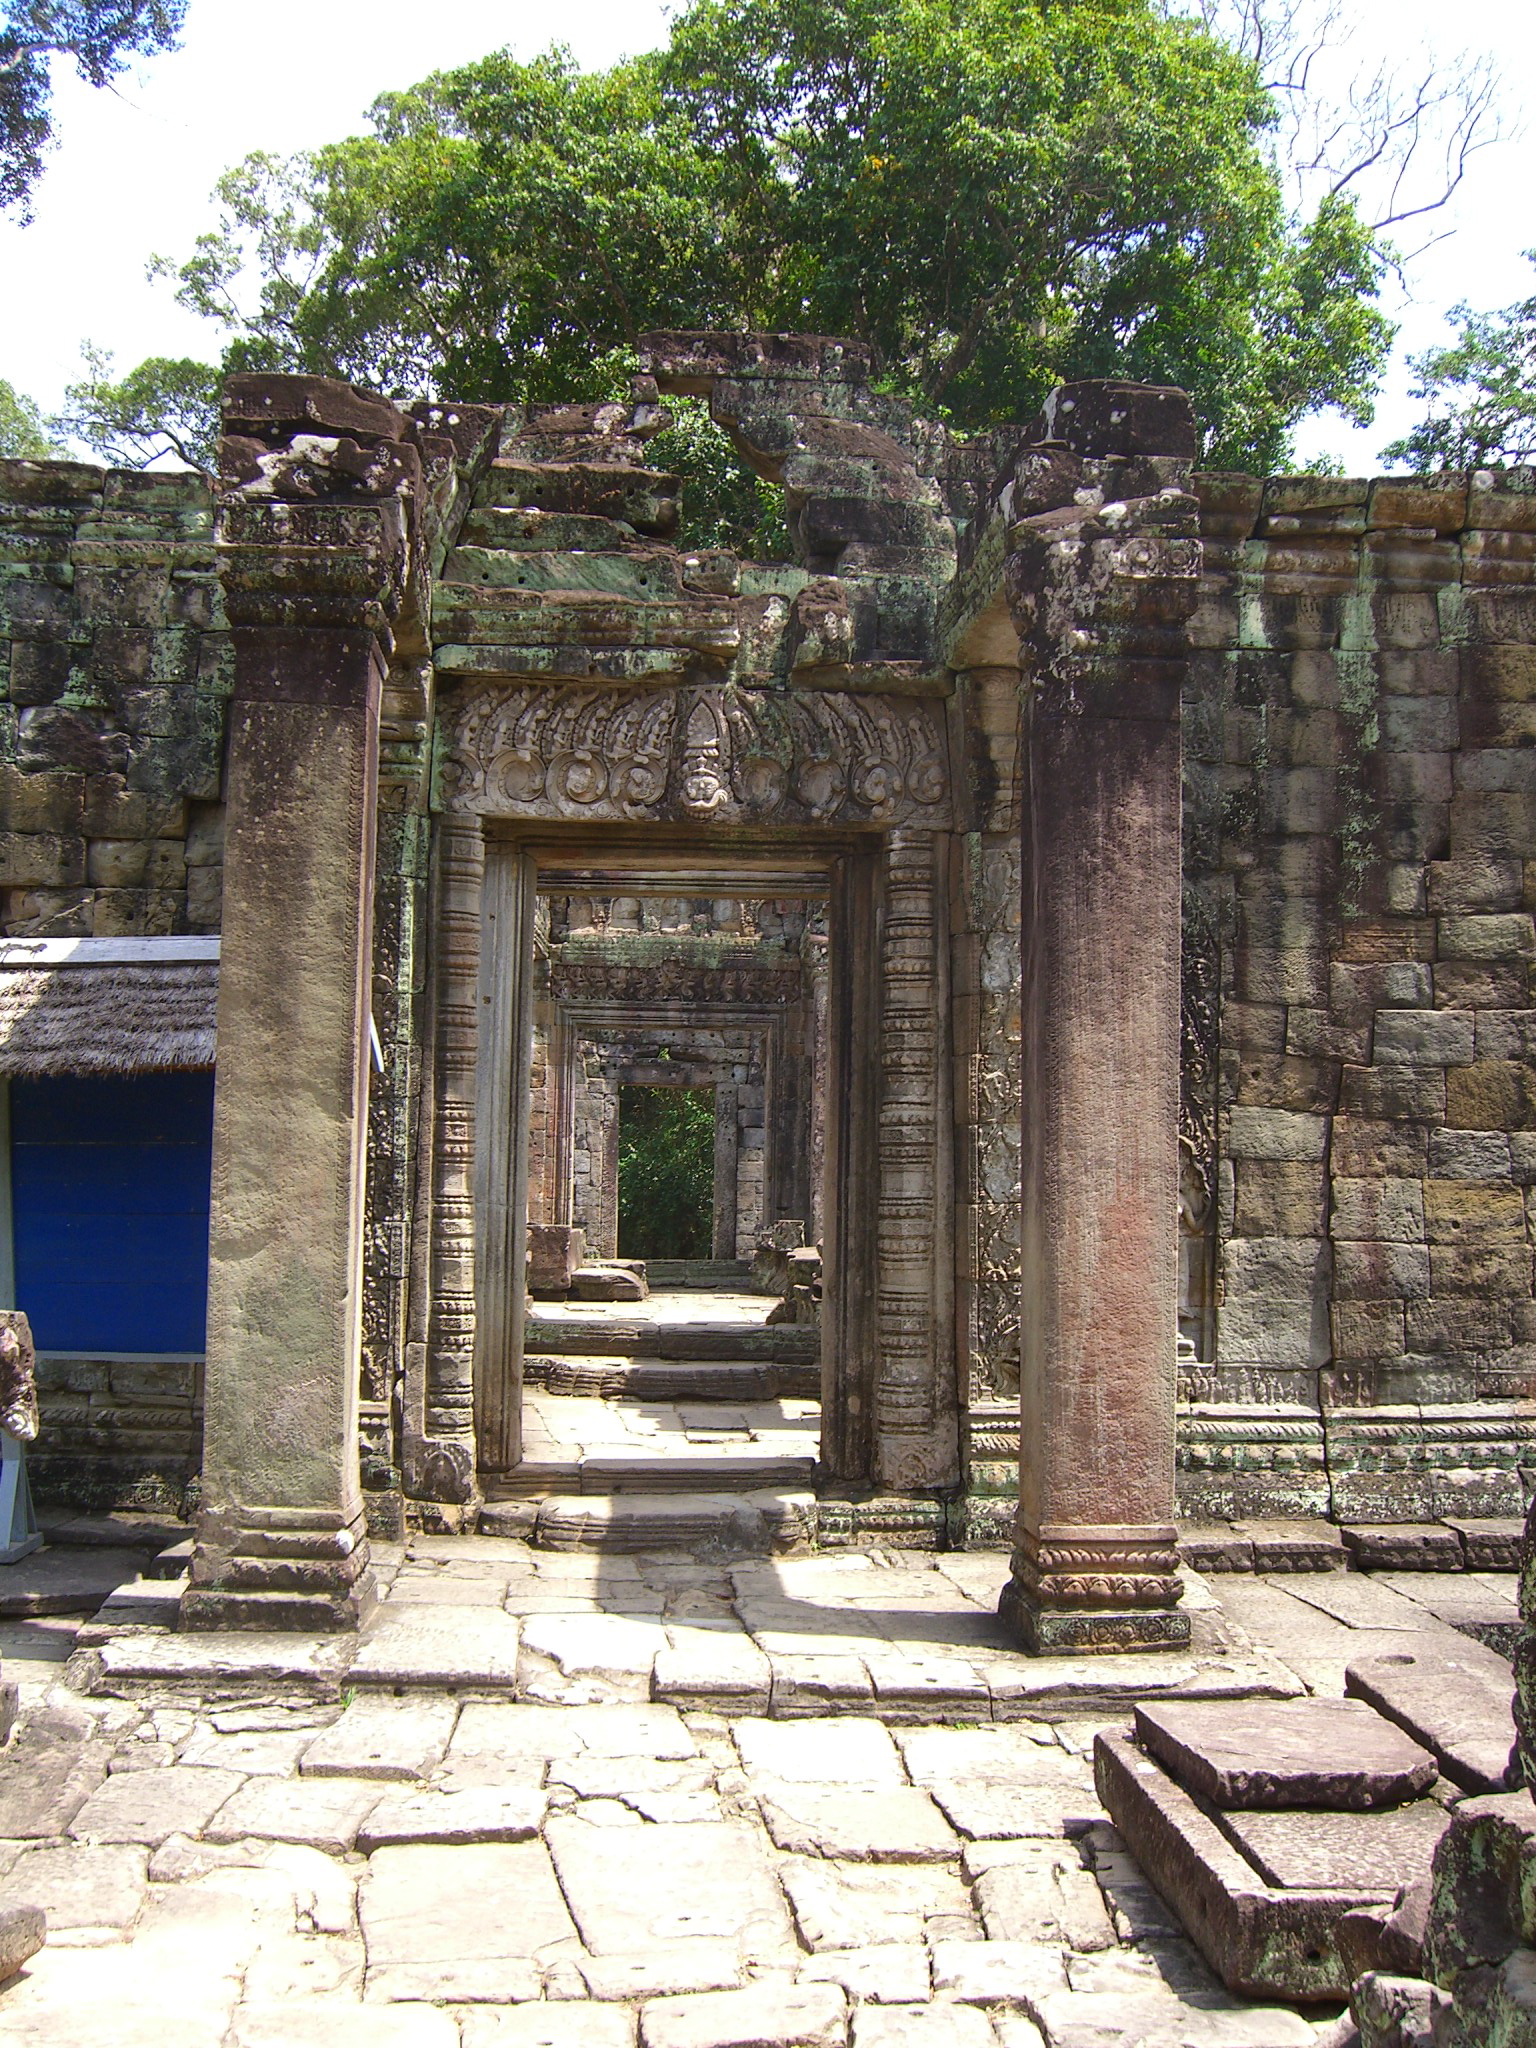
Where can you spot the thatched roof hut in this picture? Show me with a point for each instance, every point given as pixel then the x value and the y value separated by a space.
pixel 107 1006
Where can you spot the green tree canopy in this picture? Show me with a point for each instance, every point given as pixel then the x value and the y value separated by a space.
pixel 99 35
pixel 996 195
pixel 167 406
pixel 22 429
pixel 1480 393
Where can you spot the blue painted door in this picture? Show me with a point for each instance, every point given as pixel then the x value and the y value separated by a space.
pixel 109 1195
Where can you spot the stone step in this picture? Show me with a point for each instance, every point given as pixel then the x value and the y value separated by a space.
pixel 632 1337
pixel 595 1377
pixel 730 1275
pixel 707 1472
pixel 765 1521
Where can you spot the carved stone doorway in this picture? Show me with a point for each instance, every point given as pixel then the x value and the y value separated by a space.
pixel 583 977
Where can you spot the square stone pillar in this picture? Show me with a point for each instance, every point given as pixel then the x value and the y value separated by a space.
pixel 1102 578
pixel 280 1533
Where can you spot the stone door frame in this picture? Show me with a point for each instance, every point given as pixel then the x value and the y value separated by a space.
pixel 582 1021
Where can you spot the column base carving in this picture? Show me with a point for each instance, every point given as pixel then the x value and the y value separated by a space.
pixel 1076 1589
pixel 279 1568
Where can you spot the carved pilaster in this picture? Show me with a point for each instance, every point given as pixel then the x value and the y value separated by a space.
pixel 915 1420
pixel 441 1466
pixel 1077 1586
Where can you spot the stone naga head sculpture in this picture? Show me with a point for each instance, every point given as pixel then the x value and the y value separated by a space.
pixel 18 1377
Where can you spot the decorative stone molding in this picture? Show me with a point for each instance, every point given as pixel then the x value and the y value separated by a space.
pixel 700 756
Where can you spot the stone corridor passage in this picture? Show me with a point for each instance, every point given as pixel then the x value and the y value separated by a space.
pixel 682 1420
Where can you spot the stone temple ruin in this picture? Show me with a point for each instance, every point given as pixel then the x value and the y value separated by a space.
pixel 1097 895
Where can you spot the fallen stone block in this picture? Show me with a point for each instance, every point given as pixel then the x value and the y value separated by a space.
pixel 608 1283
pixel 1262 1940
pixel 1272 1753
pixel 1396 2012
pixel 1458 1704
pixel 23 1930
pixel 1387 1940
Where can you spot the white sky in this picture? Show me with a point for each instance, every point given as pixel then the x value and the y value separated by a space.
pixel 135 167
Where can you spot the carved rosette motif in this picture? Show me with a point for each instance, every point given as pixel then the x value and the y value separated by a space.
pixel 1098 1568
pixel 704 755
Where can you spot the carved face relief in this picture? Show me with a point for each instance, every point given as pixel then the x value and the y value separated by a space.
pixel 706 788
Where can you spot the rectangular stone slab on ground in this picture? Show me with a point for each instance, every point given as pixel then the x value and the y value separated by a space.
pixel 1275 1753
pixel 1374 1852
pixel 1260 1939
pixel 1459 1704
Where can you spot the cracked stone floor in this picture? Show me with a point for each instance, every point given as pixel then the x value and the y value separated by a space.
pixel 574 1801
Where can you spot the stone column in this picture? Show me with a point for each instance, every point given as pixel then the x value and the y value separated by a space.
pixel 280 1536
pixel 1102 576
pixel 319 498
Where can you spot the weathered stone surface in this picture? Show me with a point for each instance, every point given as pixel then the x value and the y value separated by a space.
pixel 438 1645
pixel 43 1785
pixel 767 2016
pixel 1360 1852
pixel 149 1806
pixel 940 2025
pixel 568 2023
pixel 1404 1547
pixel 588 1659
pixel 895 1824
pixel 1458 1705
pixel 629 1887
pixel 88 1894
pixel 666 1970
pixel 334 2023
pixel 715 1672
pixel 1108 2019
pixel 475 1814
pixel 1264 1753
pixel 891 1974
pixel 467 1922
pixel 833 1751
pixel 998 1973
pixel 383 1738
pixel 1043 1893
pixel 988 1812
pixel 23 1930
pixel 317 1812
pixel 859 1905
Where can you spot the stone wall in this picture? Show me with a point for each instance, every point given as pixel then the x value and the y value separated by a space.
pixel 116 663
pixel 1361 855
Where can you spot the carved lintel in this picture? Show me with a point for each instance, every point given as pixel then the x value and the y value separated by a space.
pixel 716 755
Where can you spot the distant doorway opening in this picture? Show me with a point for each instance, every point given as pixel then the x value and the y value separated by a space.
pixel 666 1172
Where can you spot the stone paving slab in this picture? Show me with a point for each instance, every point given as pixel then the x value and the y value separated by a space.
pixel 383 1737
pixel 629 1887
pixel 90 1893
pixel 1459 1704
pixel 149 1806
pixel 463 1922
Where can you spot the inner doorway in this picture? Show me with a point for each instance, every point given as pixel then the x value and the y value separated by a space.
pixel 666 1172
pixel 677 1056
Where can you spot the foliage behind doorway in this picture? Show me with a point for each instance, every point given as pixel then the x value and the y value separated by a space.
pixel 666 1172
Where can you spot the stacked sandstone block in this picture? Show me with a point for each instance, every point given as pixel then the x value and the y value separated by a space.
pixel 111 733
pixel 1361 796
